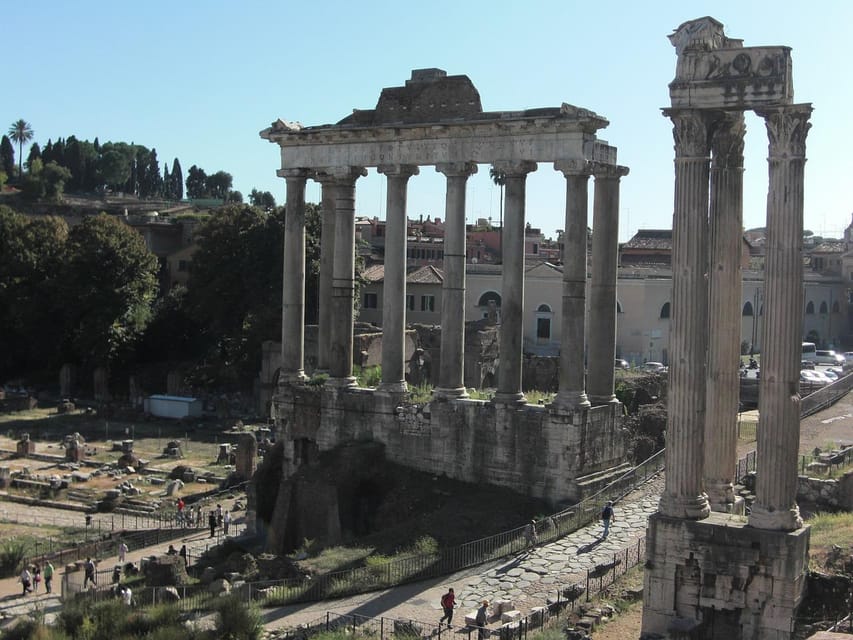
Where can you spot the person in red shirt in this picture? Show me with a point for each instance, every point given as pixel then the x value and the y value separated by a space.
pixel 448 601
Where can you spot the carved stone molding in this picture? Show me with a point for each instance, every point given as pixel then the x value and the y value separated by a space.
pixel 457 169
pixel 398 170
pixel 293 173
pixel 727 140
pixel 576 167
pixel 690 131
pixel 603 171
pixel 343 175
pixel 787 128
pixel 515 168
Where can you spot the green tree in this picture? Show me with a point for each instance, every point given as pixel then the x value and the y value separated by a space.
pixel 54 177
pixel 219 184
pixel 499 178
pixel 7 156
pixel 234 197
pixel 34 154
pixel 113 169
pixel 196 182
pixel 177 191
pixel 21 132
pixel 263 199
pixel 108 284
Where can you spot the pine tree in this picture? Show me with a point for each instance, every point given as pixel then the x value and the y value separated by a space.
pixel 153 181
pixel 167 182
pixel 35 154
pixel 177 181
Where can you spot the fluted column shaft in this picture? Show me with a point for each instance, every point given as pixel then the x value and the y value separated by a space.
pixel 602 290
pixel 512 283
pixel 571 394
pixel 775 504
pixel 343 277
pixel 724 312
pixel 327 261
pixel 293 286
pixel 394 282
pixel 683 496
pixel 451 370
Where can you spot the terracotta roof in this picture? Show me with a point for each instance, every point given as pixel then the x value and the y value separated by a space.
pixel 650 239
pixel 427 274
pixel 829 247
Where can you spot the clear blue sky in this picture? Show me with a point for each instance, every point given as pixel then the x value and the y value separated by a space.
pixel 199 80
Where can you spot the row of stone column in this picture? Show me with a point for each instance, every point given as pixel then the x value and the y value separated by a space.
pixel 705 336
pixel 337 280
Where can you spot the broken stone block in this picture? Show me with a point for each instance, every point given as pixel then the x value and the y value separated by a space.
pixel 510 616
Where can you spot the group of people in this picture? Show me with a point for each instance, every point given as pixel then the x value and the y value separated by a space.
pixel 183 553
pixel 189 517
pixel 219 518
pixel 31 578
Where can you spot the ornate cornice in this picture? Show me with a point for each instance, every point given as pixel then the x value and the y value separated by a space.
pixel 576 167
pixel 787 128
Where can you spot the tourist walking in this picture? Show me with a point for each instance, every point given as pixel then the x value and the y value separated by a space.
pixel 36 578
pixel 211 522
pixel 89 575
pixel 448 601
pixel 26 581
pixel 122 551
pixel 530 534
pixel 607 516
pixel 219 515
pixel 480 620
pixel 48 577
pixel 183 554
pixel 226 521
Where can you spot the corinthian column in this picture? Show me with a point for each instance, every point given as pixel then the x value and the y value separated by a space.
pixel 451 379
pixel 293 287
pixel 343 276
pixel 327 261
pixel 723 383
pixel 512 284
pixel 775 504
pixel 683 496
pixel 394 283
pixel 571 395
pixel 602 290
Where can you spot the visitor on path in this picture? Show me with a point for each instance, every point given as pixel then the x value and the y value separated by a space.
pixel 480 620
pixel 199 517
pixel 126 595
pixel 89 569
pixel 211 522
pixel 117 574
pixel 448 601
pixel 26 581
pixel 180 505
pixel 219 515
pixel 36 578
pixel 530 534
pixel 183 554
pixel 226 521
pixel 122 551
pixel 607 516
pixel 48 577
pixel 172 551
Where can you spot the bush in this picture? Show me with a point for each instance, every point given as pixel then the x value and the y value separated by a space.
pixel 236 621
pixel 12 555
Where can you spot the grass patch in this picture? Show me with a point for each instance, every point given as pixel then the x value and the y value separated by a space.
pixel 334 559
pixel 828 530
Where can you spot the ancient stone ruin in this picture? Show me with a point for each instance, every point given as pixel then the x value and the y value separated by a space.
pixel 558 452
pixel 711 573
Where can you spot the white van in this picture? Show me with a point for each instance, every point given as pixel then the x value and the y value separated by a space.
pixel 809 352
pixel 829 357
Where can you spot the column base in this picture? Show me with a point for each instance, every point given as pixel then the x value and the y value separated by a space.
pixel 392 387
pixel 685 507
pixel 569 401
pixel 291 377
pixel 348 381
pixel 735 507
pixel 509 398
pixel 760 517
pixel 599 400
pixel 721 497
pixel 445 393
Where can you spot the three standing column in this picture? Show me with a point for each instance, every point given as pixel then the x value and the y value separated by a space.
pixel 775 504
pixel 451 371
pixel 572 391
pixel 512 291
pixel 394 288
pixel 293 285
pixel 327 262
pixel 683 495
pixel 602 291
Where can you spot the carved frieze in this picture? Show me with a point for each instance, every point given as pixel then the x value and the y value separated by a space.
pixel 787 128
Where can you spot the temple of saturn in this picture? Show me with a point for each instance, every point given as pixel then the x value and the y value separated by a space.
pixel 710 571
pixel 556 452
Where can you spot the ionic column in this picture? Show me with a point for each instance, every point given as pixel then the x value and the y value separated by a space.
pixel 451 371
pixel 683 496
pixel 343 276
pixel 512 283
pixel 775 504
pixel 602 290
pixel 293 287
pixel 572 393
pixel 394 287
pixel 327 261
pixel 724 312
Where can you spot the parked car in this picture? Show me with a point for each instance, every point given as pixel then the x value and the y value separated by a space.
pixel 621 364
pixel 806 364
pixel 839 371
pixel 829 373
pixel 823 356
pixel 813 378
pixel 653 367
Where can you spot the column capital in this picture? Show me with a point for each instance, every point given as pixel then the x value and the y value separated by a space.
pixel 304 174
pixel 691 132
pixel 574 167
pixel 340 174
pixel 515 168
pixel 787 128
pixel 727 140
pixel 457 169
pixel 398 170
pixel 603 171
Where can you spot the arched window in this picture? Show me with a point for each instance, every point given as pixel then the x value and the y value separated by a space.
pixel 824 309
pixel 543 323
pixel 543 308
pixel 664 311
pixel 747 309
pixel 810 308
pixel 490 303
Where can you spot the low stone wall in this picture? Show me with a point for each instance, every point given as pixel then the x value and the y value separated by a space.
pixel 828 493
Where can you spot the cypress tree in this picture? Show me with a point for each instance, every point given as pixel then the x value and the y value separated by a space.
pixel 177 180
pixel 7 156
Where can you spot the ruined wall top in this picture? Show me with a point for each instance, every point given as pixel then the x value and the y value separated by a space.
pixel 718 72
